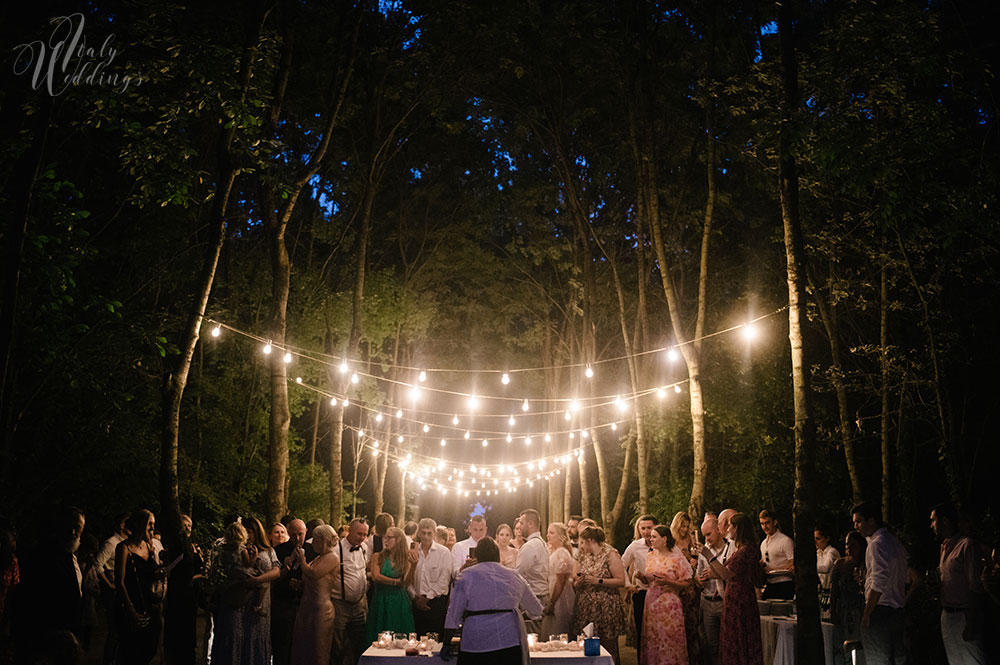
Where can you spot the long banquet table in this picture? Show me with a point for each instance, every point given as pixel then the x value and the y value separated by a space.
pixel 778 639
pixel 375 656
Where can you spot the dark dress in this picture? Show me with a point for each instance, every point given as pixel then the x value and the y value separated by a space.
pixel 390 608
pixel 137 645
pixel 847 603
pixel 739 632
pixel 229 611
pixel 181 608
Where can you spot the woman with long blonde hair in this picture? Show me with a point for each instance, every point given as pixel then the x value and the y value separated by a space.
pixel 391 573
pixel 558 613
pixel 687 544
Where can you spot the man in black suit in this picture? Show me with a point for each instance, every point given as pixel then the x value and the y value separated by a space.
pixel 50 596
pixel 286 591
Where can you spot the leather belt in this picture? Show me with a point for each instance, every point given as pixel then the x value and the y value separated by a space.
pixel 713 599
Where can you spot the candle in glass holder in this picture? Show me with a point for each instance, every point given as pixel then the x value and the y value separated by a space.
pixel 532 639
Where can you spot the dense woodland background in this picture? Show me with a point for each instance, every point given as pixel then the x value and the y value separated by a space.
pixel 476 185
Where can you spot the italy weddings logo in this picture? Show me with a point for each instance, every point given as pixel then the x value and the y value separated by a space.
pixel 67 58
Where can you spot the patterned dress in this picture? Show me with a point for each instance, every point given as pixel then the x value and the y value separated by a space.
pixel 256 646
pixel 663 637
pixel 597 603
pixel 739 633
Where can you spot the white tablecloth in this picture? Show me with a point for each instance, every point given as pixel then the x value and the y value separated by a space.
pixel 373 656
pixel 778 638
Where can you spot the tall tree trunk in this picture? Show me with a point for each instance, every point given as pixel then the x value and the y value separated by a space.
pixel 828 315
pixel 883 336
pixel 810 635
pixel 175 379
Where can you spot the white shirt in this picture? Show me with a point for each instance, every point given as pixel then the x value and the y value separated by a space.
pixel 961 570
pixel 713 587
pixel 885 561
pixel 353 570
pixel 433 574
pixel 634 560
pixel 776 551
pixel 490 586
pixel 105 557
pixel 533 564
pixel 460 552
pixel 824 564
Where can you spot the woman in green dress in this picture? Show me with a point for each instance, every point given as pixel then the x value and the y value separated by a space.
pixel 392 573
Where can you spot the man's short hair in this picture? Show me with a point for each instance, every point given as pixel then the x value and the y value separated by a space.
pixel 486 550
pixel 947 511
pixel 531 515
pixel 765 514
pixel 645 518
pixel 479 517
pixel 426 523
pixel 575 518
pixel 357 520
pixel 410 528
pixel 867 511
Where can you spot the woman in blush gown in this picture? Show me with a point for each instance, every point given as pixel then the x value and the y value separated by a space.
pixel 312 637
pixel 739 632
pixel 558 614
pixel 508 553
pixel 668 574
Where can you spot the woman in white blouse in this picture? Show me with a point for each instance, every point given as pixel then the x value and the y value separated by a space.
pixel 558 617
pixel 826 556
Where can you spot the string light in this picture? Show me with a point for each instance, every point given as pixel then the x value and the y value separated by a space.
pixel 749 332
pixel 505 379
pixel 467 434
pixel 422 376
pixel 354 378
pixel 454 421
pixel 672 355
pixel 524 405
pixel 427 428
pixel 677 388
pixel 443 443
pixel 509 438
pixel 288 358
pixel 378 417
pixel 661 392
pixel 399 413
pixel 343 367
pixel 414 393
pixel 590 372
pixel 298 379
pixel 216 331
pixel 267 349
pixel 473 402
pixel 511 421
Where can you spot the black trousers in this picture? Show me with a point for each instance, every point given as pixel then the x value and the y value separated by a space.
pixel 638 607
pixel 508 656
pixel 779 590
pixel 432 619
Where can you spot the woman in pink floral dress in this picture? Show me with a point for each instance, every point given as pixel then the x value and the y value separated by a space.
pixel 667 573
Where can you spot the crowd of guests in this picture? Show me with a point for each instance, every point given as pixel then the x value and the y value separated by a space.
pixel 298 593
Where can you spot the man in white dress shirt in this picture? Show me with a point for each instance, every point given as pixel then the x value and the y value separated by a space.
pixel 104 562
pixel 350 586
pixel 533 562
pixel 712 589
pixel 885 585
pixel 634 560
pixel 778 553
pixel 463 548
pixel 429 590
pixel 487 601
pixel 962 594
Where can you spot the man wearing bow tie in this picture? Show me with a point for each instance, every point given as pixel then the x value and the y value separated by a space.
pixel 350 585
pixel 634 560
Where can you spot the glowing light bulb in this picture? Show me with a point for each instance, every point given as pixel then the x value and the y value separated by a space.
pixel 454 420
pixel 443 443
pixel 572 436
pixel 288 358
pixel 298 379
pixel 620 403
pixel 574 406
pixel 589 372
pixel 661 392
pixel 524 405
pixel 473 469
pixel 378 417
pixel 466 435
pixel 440 465
pixel 354 378
pixel 485 443
pixel 614 426
pixel 427 428
pixel 569 416
pixel 267 349
pixel 505 379
pixel 527 440
pixel 216 331
pixel 374 453
pixel 677 389
pixel 361 432
pixel 414 393
pixel 509 438
pixel 749 332
pixel 399 413
pixel 333 402
pixel 347 402
pixel 584 434
pixel 511 421
pixel 343 367
pixel 399 439
pixel 473 402
pixel 422 376
pixel 548 438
